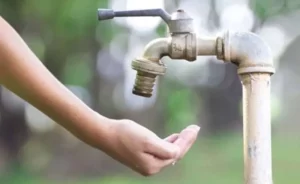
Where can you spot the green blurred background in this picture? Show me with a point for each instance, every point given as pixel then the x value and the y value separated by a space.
pixel 93 60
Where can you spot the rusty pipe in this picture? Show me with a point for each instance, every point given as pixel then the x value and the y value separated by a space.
pixel 255 67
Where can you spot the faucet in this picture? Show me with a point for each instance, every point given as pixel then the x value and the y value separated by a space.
pixel 246 50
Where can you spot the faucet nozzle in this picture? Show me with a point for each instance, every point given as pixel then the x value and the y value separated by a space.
pixel 144 84
pixel 147 71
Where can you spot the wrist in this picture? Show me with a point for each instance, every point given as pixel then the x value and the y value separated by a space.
pixel 102 132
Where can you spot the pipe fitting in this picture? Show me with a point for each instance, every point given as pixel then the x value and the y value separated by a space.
pixel 183 46
pixel 148 66
pixel 248 51
pixel 147 71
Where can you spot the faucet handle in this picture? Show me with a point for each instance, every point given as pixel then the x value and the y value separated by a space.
pixel 179 22
pixel 105 14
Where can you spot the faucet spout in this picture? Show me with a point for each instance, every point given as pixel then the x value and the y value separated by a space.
pixel 179 46
pixel 149 66
pixel 156 49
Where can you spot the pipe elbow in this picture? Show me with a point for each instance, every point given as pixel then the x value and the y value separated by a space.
pixel 156 49
pixel 249 52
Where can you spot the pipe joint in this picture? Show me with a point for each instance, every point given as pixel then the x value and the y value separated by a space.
pixel 248 51
pixel 147 72
pixel 183 46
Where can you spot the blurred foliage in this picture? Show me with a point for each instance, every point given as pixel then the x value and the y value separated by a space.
pixel 61 28
pixel 265 9
pixel 182 106
pixel 75 65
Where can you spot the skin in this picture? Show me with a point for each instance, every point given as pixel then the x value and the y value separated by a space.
pixel 124 140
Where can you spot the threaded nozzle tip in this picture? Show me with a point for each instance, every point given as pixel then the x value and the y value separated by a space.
pixel 144 84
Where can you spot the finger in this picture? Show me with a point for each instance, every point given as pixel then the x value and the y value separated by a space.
pixel 161 149
pixel 172 138
pixel 166 163
pixel 151 165
pixel 186 139
pixel 159 165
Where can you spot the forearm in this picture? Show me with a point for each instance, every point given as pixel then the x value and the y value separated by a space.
pixel 23 73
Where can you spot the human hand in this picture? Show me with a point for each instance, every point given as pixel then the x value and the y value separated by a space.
pixel 143 151
pixel 135 146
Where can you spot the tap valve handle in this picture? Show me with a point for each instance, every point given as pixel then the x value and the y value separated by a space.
pixel 105 14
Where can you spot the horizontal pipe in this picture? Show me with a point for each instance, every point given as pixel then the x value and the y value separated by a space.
pixel 206 46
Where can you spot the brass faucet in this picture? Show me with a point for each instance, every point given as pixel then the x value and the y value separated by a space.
pixel 182 43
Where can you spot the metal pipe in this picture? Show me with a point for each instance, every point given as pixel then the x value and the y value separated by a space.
pixel 206 46
pixel 248 51
pixel 255 66
pixel 257 128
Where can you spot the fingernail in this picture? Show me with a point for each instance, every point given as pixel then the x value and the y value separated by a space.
pixel 194 127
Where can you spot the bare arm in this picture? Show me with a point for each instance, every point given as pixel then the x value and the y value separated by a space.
pixel 23 73
pixel 124 140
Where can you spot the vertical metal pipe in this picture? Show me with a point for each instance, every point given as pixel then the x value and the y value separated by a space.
pixel 255 67
pixel 257 128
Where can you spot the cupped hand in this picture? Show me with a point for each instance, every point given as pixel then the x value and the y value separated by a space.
pixel 143 151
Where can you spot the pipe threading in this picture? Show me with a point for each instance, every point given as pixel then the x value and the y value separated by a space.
pixel 144 84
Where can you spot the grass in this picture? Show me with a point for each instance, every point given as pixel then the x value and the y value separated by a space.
pixel 212 160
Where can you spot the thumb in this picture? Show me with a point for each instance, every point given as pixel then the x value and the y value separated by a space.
pixel 162 149
pixel 172 138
